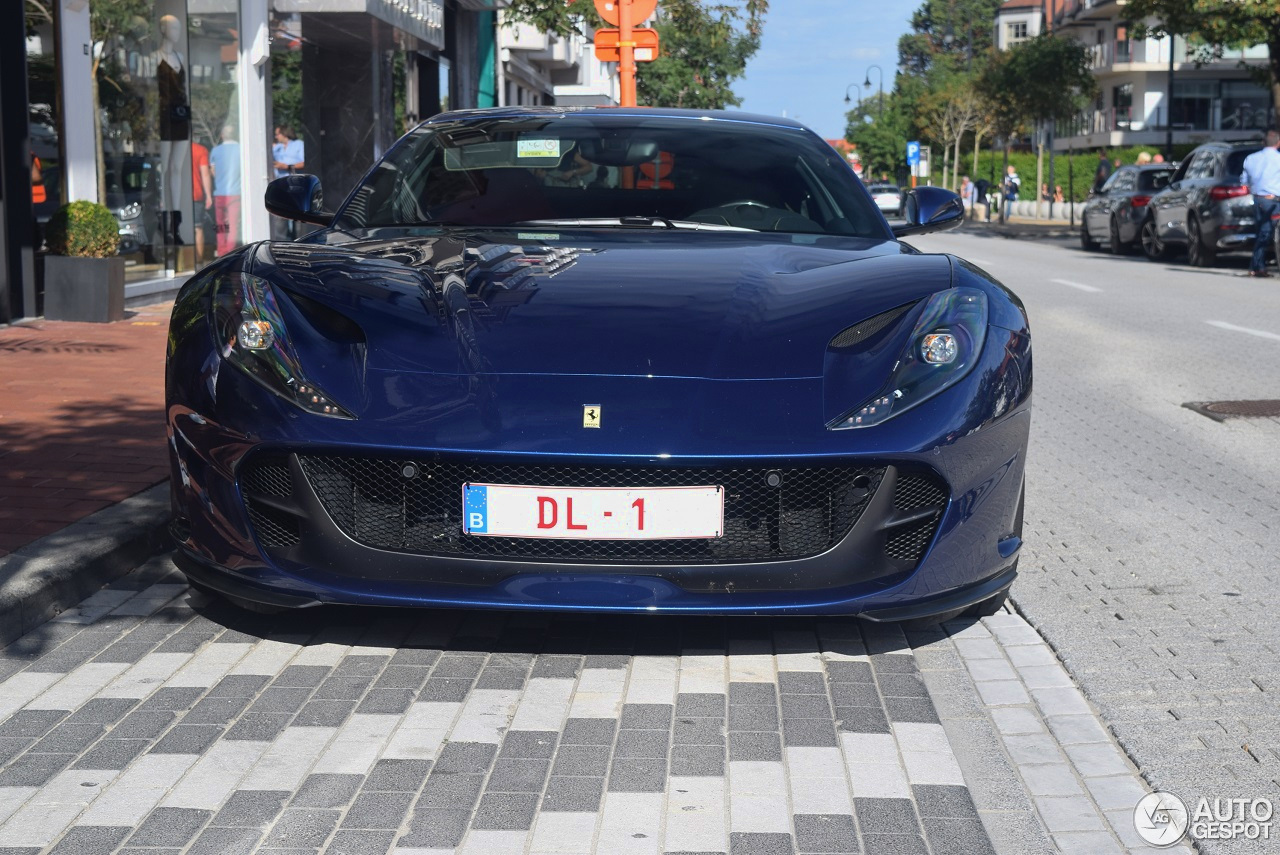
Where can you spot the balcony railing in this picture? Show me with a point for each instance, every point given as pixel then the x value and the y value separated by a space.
pixel 1214 116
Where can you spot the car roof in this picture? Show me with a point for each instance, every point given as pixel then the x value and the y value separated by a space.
pixel 529 112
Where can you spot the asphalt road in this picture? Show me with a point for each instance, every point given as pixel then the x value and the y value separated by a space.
pixel 1153 531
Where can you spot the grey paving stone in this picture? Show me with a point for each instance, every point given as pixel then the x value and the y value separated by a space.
pixel 124 651
pixel 34 770
pixel 1050 779
pixel 102 711
pixel 324 713
pixel 225 840
pixel 216 710
pixel 805 706
pixel 855 694
pixel 573 794
pixel 416 656
pixel 470 757
pixel 259 727
pixel 128 850
pixel 188 739
pixel 825 833
pixel 31 724
pixel 849 672
pixel 700 704
pixel 911 710
pixel 642 743
pixel 590 731
pixel 1117 793
pixel 301 676
pixel 326 790
pixel 862 719
pixel 347 687
pixel 944 801
pixel 13 746
pixel 646 716
pixel 755 746
pixel 386 701
pixel 302 828
pixel 446 690
pixel 539 744
pixel 281 699
pixel 801 683
pixel 239 686
pixel 455 664
pixel 1093 759
pixel 752 693
pixel 518 775
pixel 637 775
pixel 1088 843
pixel 402 677
pixel 251 808
pixel 112 754
pixel 814 732
pixel 22 850
pixel 556 666
pixel 760 843
pixel 582 760
pixel 753 717
pixel 435 829
pixel 1069 813
pixel 607 660
pixel 501 678
pixel 349 842
pixel 90 840
pixel 378 811
pixel 949 836
pixel 1076 729
pixel 902 686
pixel 505 811
pixel 171 698
pixel 168 826
pixel 886 816
pixel 450 790
pixel 361 665
pixel 1033 748
pixel 697 760
pixel 390 775
pixel 893 844
pixel 891 663
pixel 69 738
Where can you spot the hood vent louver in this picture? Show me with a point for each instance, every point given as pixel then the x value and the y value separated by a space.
pixel 860 332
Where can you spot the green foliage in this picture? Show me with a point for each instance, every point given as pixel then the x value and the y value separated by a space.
pixel 286 88
pixel 880 135
pixel 1076 178
pixel 953 33
pixel 84 229
pixel 1052 76
pixel 704 45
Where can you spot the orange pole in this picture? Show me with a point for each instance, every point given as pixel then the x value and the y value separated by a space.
pixel 627 51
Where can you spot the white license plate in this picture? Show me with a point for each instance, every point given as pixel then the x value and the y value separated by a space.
pixel 593 513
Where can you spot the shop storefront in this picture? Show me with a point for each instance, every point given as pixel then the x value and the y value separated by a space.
pixel 168 113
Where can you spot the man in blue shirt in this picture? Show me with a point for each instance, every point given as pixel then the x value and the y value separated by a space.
pixel 1262 175
pixel 287 157
pixel 224 161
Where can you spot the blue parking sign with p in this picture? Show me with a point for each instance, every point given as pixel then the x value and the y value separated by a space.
pixel 913 153
pixel 475 509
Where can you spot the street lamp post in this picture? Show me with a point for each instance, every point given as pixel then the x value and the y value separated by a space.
pixel 867 84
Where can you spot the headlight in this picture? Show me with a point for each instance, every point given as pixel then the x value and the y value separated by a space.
pixel 943 347
pixel 251 336
pixel 130 211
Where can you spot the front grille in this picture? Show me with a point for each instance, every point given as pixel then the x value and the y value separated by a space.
pixel 375 503
pixel 269 476
pixel 273 526
pixel 923 497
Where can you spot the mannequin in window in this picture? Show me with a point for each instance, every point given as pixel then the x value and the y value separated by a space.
pixel 175 124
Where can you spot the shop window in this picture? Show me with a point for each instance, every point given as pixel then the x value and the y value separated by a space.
pixel 1192 104
pixel 1245 106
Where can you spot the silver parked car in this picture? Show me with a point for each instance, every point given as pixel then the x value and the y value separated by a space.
pixel 888 198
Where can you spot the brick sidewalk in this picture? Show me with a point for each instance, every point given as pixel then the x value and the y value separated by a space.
pixel 81 419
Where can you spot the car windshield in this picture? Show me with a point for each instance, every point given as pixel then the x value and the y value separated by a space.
pixel 613 171
pixel 1154 179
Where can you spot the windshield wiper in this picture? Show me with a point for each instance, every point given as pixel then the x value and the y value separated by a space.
pixel 636 221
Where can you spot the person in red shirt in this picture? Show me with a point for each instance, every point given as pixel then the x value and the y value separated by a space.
pixel 202 194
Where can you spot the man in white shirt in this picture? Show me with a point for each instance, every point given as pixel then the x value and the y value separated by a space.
pixel 1262 175
pixel 287 158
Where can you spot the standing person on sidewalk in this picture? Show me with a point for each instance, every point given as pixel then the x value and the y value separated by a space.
pixel 982 188
pixel 224 161
pixel 288 157
pixel 969 196
pixel 1102 173
pixel 1262 175
pixel 1009 191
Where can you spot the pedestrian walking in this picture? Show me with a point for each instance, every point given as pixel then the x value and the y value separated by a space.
pixel 224 162
pixel 968 196
pixel 1262 175
pixel 1009 190
pixel 1102 173
pixel 288 157
pixel 982 188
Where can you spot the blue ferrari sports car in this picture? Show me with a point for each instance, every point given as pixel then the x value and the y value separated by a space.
pixel 601 359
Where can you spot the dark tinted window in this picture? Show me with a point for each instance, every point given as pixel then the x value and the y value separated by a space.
pixel 1235 161
pixel 596 166
pixel 1154 179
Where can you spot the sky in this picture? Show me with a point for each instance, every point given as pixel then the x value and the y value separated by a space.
pixel 813 49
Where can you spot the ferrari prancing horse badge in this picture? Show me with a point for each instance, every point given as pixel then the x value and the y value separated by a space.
pixel 591 415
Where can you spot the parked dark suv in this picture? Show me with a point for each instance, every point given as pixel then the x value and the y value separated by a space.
pixel 1205 207
pixel 1116 212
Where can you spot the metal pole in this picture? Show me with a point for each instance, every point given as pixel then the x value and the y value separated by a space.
pixel 1071 182
pixel 1168 113
pixel 627 54
pixel 866 82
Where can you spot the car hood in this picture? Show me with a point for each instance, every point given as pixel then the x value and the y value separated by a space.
pixel 699 305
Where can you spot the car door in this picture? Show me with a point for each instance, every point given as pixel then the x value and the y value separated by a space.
pixel 1207 176
pixel 1171 214
pixel 1118 199
pixel 1095 212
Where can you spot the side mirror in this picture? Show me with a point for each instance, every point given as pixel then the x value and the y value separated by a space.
pixel 930 209
pixel 297 197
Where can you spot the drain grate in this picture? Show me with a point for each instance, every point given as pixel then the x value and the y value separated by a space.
pixel 1220 411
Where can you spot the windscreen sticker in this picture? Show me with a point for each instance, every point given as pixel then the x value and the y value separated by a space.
pixel 538 148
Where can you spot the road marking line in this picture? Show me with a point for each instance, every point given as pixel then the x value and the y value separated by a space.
pixel 1082 287
pixel 1223 325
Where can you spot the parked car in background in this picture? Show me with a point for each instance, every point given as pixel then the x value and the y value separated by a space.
pixel 888 198
pixel 1118 210
pixel 1205 208
pixel 132 195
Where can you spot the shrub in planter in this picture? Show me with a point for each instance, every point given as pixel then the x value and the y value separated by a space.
pixel 83 276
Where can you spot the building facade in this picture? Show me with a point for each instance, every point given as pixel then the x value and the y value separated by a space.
pixel 165 111
pixel 1214 95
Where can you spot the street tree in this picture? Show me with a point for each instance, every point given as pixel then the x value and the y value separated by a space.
pixel 880 131
pixel 1218 24
pixel 705 46
pixel 948 32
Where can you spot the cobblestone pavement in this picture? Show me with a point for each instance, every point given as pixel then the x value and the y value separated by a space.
pixel 1152 535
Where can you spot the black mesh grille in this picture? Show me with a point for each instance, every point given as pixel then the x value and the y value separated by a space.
pixel 915 491
pixel 374 503
pixel 860 332
pixel 273 527
pixel 268 476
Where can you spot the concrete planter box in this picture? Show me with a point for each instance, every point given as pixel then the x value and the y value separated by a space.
pixel 83 289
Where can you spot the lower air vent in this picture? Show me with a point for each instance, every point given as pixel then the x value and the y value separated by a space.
pixel 923 496
pixel 267 476
pixel 273 527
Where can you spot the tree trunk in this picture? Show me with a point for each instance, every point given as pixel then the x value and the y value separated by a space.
pixel 1003 172
pixel 1039 173
pixel 956 160
pixel 97 135
pixel 977 138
